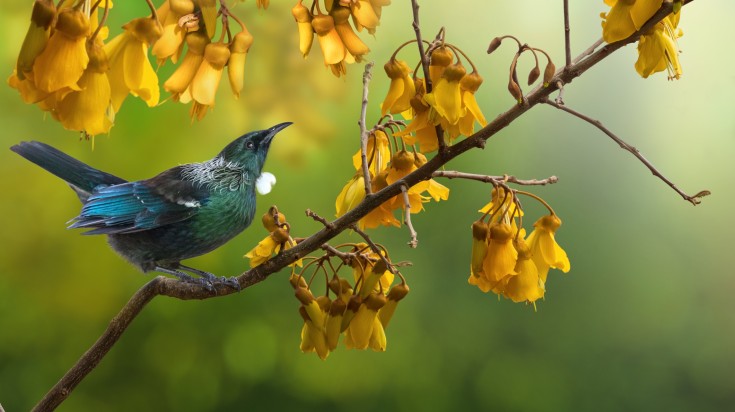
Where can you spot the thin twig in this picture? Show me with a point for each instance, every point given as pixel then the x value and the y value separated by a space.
pixel 346 257
pixel 373 247
pixel 560 97
pixel 495 180
pixel 695 199
pixel 567 41
pixel 186 291
pixel 414 242
pixel 588 51
pixel 364 133
pixel 319 219
pixel 425 67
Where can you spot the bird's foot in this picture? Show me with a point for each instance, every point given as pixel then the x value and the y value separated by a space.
pixel 205 282
pixel 211 278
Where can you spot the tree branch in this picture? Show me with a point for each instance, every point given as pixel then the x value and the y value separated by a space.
pixel 495 180
pixel 567 41
pixel 364 133
pixel 414 242
pixel 695 199
pixel 185 291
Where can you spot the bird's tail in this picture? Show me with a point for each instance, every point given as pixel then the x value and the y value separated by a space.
pixel 80 176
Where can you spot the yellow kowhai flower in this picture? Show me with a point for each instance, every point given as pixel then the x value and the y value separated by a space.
pixel 355 47
pixel 63 60
pixel 502 205
pixel 378 153
pixel 373 277
pixel 130 70
pixel 626 16
pixel 365 15
pixel 37 36
pixel 171 42
pixel 306 32
pixel 313 338
pixel 500 260
pixel 351 195
pixel 239 48
pixel 332 47
pixel 544 249
pixel 365 323
pixel 395 294
pixel 526 286
pixel 658 51
pixel 29 93
pixel 181 79
pixel 480 231
pixel 446 97
pixel 272 245
pixel 207 78
pixel 401 90
pixel 89 109
pixel 440 59
pixel 420 130
pixel 468 86
pixel 383 214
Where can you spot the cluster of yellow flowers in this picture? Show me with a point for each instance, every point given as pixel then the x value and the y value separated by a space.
pixel 66 67
pixel 384 172
pixel 339 43
pixel 657 48
pixel 360 311
pixel 278 239
pixel 451 103
pixel 507 262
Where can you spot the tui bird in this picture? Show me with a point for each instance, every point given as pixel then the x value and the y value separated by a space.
pixel 183 212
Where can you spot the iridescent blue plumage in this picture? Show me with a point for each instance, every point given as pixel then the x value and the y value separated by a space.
pixel 183 212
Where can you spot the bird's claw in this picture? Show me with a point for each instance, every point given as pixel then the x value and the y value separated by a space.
pixel 231 282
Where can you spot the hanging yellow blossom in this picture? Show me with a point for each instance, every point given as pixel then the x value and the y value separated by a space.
pixel 626 16
pixel 89 109
pixel 63 60
pixel 306 32
pixel 170 44
pixel 468 86
pixel 130 70
pixel 37 36
pixel 526 286
pixel 544 249
pixel 355 47
pixel 181 79
pixel 658 51
pixel 206 81
pixel 401 89
pixel 446 98
pixel 239 48
pixel 351 195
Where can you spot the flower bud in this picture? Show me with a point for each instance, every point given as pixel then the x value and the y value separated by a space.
pixel 533 75
pixel 494 44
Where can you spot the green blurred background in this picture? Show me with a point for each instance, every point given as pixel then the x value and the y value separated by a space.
pixel 642 322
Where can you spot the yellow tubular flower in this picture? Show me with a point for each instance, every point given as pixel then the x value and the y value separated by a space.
pixel 27 88
pixel 334 322
pixel 270 245
pixel 401 164
pixel 526 286
pixel 364 16
pixel 401 89
pixel 378 153
pixel 378 341
pixel 362 324
pixel 209 14
pixel 626 16
pixel 468 86
pixel 658 51
pixel 440 59
pixel 236 65
pixel 170 43
pixel 351 195
pixel 130 70
pixel 312 337
pixel 206 80
pixel 501 257
pixel 36 37
pixel 181 79
pixel 88 109
pixel 396 293
pixel 479 247
pixel 332 47
pixel 352 43
pixel 546 252
pixel 63 60
pixel 446 98
pixel 306 31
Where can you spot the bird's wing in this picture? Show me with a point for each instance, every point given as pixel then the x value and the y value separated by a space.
pixel 143 205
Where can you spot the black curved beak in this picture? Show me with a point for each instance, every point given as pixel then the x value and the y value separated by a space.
pixel 271 133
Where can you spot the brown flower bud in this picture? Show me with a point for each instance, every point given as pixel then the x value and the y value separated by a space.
pixel 494 44
pixel 533 75
pixel 549 72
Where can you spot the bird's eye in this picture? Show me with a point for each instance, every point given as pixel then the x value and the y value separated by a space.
pixel 249 145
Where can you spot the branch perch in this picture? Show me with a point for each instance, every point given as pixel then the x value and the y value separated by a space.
pixel 173 288
pixel 695 199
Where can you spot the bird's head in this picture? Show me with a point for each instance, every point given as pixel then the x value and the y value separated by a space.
pixel 250 149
